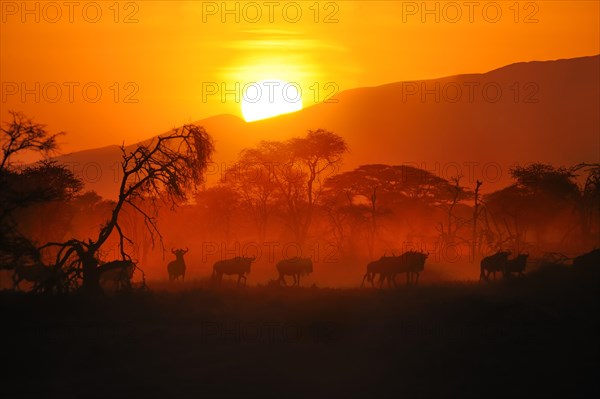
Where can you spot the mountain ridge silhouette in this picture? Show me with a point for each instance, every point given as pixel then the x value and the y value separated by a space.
pixel 546 111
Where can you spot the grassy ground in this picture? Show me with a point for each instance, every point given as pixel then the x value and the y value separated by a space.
pixel 532 337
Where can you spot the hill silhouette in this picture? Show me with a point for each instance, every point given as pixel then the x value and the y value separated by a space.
pixel 477 125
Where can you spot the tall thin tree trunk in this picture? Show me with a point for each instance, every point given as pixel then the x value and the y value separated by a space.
pixel 373 223
pixel 475 216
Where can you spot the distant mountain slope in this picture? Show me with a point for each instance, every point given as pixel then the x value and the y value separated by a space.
pixel 475 124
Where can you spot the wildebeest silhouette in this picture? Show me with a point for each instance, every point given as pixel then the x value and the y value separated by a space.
pixel 381 267
pixel 118 273
pixel 492 264
pixel 412 263
pixel 294 267
pixel 176 268
pixel 588 260
pixel 516 265
pixel 35 273
pixel 387 267
pixel 239 265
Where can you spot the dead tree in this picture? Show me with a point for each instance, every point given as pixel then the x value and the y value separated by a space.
pixel 163 171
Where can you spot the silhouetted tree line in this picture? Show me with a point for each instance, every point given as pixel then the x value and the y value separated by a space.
pixel 277 190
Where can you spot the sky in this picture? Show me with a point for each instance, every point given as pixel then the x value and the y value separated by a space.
pixel 109 72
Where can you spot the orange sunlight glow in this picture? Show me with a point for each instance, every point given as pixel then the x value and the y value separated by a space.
pixel 269 98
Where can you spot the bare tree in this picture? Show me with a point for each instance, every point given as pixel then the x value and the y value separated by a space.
pixel 451 205
pixel 163 171
pixel 22 134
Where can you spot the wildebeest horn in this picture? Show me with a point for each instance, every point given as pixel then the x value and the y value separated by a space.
pixel 172 250
pixel 186 250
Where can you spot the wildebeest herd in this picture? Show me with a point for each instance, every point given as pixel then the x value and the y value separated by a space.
pixel 119 273
pixel 386 268
pixel 240 266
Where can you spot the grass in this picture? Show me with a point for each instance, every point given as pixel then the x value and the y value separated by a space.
pixel 531 337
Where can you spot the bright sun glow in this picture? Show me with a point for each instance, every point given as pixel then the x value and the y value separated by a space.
pixel 268 98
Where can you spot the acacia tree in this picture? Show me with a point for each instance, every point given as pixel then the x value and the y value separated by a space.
pixel 23 187
pixel 53 187
pixel 539 199
pixel 369 192
pixel 251 178
pixel 164 170
pixel 319 153
pixel 289 175
pixel 348 193
pixel 21 135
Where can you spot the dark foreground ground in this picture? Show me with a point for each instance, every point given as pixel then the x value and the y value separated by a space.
pixel 533 337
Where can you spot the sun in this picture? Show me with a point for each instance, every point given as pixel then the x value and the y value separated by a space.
pixel 269 98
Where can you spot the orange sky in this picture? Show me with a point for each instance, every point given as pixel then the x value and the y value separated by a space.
pixel 162 54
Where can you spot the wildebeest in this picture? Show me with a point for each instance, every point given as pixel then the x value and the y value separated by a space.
pixel 381 267
pixel 118 273
pixel 387 267
pixel 35 273
pixel 516 265
pixel 588 260
pixel 176 268
pixel 412 263
pixel 294 267
pixel 492 264
pixel 239 265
